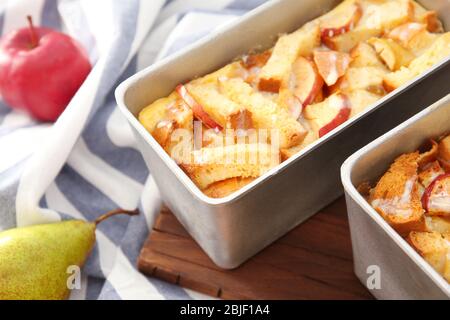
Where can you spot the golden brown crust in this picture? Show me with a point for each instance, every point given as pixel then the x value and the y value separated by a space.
pixel 210 165
pixel 438 51
pixel 444 153
pixel 396 196
pixel 432 246
pixel 429 156
pixel 429 173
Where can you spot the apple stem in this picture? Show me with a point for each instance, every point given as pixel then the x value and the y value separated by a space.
pixel 33 35
pixel 115 212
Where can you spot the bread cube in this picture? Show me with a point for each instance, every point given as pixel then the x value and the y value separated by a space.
pixel 211 165
pixel 266 114
pixel 437 52
pixel 396 196
pixel 286 50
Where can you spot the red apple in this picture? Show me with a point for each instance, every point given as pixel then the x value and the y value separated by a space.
pixel 307 81
pixel 342 20
pixel 343 104
pixel 331 64
pixel 429 190
pixel 40 70
pixel 197 109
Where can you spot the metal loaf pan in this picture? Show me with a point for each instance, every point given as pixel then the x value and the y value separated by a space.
pixel 403 273
pixel 234 228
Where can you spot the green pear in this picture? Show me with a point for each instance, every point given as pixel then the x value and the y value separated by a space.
pixel 34 260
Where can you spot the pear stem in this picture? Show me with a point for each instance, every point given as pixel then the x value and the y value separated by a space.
pixel 33 35
pixel 116 212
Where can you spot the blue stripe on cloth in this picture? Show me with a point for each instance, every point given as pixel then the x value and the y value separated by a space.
pixel 2 22
pixel 134 237
pixel 108 292
pixel 189 38
pixel 128 160
pixel 43 202
pixel 78 25
pixel 170 291
pixel 126 14
pixel 228 11
pixel 245 5
pixel 92 266
pixel 50 15
pixel 4 110
pixel 131 245
pixel 94 288
pixel 91 203
pixel 186 40
pixel 9 181
pixel 167 290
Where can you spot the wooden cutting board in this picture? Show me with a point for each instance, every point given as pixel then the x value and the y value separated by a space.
pixel 313 261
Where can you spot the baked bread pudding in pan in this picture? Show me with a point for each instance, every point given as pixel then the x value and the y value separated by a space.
pixel 229 127
pixel 413 196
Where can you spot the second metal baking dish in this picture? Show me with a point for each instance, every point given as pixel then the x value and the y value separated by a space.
pixel 403 274
pixel 234 228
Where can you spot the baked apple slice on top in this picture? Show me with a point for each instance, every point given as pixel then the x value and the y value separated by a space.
pixel 436 198
pixel 302 87
pixel 429 173
pixel 305 81
pixel 364 55
pixel 429 18
pixel 392 54
pixel 328 114
pixel 437 52
pixel 197 108
pixel 341 19
pixel 331 65
pixel 377 16
pixel 413 36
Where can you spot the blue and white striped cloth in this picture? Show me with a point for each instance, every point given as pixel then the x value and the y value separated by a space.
pixel 87 162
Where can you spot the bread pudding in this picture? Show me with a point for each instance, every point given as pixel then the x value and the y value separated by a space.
pixel 413 196
pixel 229 127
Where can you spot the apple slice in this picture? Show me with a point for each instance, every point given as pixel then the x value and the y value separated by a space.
pixel 413 37
pixel 436 198
pixel 197 109
pixel 290 102
pixel 405 32
pixel 305 80
pixel 342 115
pixel 331 64
pixel 340 20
